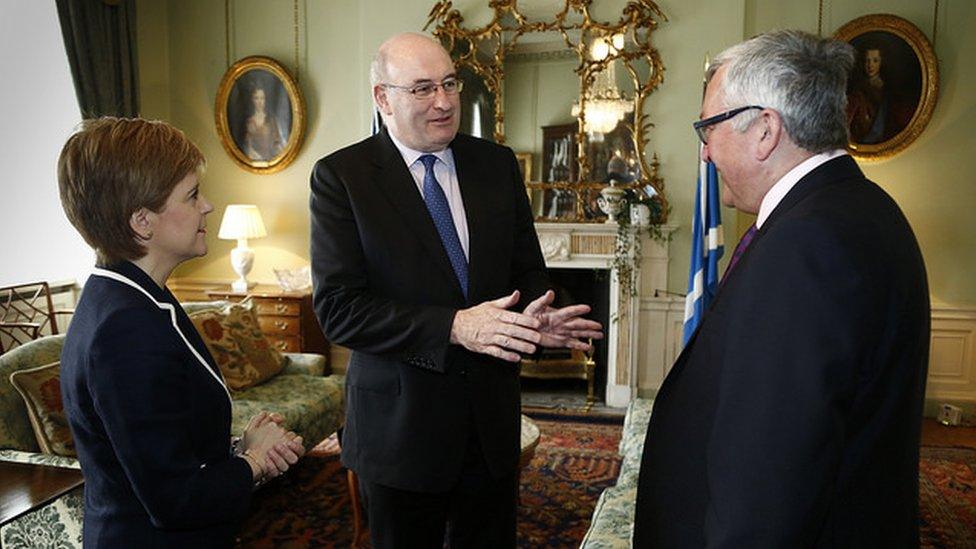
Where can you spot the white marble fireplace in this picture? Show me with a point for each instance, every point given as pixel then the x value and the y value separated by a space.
pixel 644 330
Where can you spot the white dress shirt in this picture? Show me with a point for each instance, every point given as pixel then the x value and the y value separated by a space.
pixel 778 191
pixel 446 175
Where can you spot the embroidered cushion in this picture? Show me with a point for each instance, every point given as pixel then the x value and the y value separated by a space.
pixel 234 338
pixel 41 390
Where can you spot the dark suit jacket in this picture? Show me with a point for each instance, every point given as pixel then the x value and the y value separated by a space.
pixel 150 418
pixel 384 287
pixel 793 416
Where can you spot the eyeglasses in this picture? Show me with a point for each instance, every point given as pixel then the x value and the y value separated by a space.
pixel 426 90
pixel 703 127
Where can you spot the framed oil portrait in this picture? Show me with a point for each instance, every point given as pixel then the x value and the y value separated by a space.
pixel 260 115
pixel 893 88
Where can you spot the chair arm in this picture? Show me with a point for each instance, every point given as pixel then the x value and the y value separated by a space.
pixel 30 328
pixel 304 363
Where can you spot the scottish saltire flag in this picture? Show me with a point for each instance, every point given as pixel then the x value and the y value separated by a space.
pixel 707 247
pixel 377 123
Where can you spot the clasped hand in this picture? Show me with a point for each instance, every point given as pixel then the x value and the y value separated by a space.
pixel 272 449
pixel 490 328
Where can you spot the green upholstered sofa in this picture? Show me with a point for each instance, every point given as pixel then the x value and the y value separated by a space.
pixel 313 406
pixel 612 524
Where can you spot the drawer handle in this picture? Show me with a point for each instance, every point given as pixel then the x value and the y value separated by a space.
pixel 280 307
pixel 281 325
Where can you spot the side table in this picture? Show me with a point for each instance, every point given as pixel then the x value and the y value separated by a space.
pixel 27 486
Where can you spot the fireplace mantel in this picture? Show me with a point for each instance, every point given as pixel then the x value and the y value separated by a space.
pixel 591 246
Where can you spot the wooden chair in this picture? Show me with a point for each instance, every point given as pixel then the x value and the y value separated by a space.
pixel 26 313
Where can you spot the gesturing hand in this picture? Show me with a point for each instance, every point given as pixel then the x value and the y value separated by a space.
pixel 563 327
pixel 489 328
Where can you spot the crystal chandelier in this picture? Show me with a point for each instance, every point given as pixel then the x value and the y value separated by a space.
pixel 606 106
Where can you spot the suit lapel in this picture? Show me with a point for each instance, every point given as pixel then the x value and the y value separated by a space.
pixel 473 191
pixel 400 189
pixel 835 170
pixel 831 171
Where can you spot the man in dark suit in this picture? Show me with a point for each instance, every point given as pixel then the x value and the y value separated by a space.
pixel 792 418
pixel 422 242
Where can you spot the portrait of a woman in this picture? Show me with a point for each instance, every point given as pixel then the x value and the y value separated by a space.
pixel 262 137
pixel 259 115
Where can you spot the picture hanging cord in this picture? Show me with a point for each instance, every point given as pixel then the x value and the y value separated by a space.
pixel 227 37
pixel 935 21
pixel 820 19
pixel 227 33
pixel 296 41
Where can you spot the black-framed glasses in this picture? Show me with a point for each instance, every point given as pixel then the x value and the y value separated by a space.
pixel 702 126
pixel 426 90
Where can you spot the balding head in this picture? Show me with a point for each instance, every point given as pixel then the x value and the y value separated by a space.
pixel 395 47
pixel 405 61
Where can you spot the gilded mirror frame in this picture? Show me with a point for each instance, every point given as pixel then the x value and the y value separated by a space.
pixel 638 20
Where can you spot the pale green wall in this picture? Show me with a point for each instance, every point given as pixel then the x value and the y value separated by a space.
pixel 537 93
pixel 182 56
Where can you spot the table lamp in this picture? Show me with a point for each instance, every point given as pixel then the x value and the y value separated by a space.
pixel 240 222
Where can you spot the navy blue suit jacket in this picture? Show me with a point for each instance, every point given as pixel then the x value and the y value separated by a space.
pixel 150 417
pixel 792 418
pixel 384 287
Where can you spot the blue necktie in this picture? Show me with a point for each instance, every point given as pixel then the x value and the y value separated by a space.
pixel 440 212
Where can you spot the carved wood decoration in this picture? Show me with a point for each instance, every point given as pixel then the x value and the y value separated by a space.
pixel 483 50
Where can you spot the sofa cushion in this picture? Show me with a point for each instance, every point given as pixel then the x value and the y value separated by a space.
pixel 15 428
pixel 311 405
pixel 635 425
pixel 613 520
pixel 241 351
pixel 41 390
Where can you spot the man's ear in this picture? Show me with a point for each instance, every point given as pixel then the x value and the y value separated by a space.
pixel 382 102
pixel 771 125
pixel 141 221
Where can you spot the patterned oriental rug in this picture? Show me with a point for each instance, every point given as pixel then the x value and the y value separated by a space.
pixel 947 497
pixel 575 460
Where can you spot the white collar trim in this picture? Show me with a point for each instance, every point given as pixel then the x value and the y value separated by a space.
pixel 172 315
pixel 778 192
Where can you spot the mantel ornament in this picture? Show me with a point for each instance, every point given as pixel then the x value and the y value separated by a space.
pixel 627 44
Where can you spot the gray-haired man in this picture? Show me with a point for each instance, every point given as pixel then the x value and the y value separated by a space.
pixel 792 417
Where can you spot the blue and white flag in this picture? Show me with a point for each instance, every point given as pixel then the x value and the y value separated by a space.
pixel 377 123
pixel 707 247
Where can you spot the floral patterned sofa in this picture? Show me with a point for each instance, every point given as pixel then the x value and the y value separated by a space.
pixel 312 404
pixel 612 525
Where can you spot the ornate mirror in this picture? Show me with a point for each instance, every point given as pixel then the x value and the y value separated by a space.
pixel 566 90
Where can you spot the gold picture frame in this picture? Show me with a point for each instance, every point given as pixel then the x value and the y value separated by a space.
pixel 260 114
pixel 894 87
pixel 524 160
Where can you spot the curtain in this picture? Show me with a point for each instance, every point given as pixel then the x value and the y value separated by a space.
pixel 99 38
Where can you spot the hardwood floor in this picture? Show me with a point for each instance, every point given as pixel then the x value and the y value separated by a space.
pixel 936 434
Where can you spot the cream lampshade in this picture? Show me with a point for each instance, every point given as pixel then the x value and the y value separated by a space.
pixel 240 222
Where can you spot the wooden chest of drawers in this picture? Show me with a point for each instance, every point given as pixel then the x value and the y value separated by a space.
pixel 286 318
